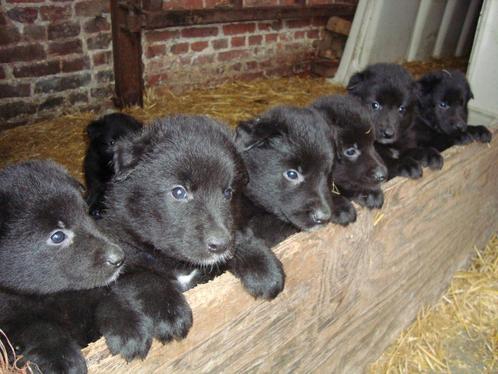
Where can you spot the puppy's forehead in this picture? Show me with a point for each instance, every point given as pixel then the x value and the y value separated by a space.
pixel 361 136
pixel 390 95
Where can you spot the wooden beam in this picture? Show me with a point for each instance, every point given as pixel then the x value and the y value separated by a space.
pixel 350 290
pixel 127 54
pixel 168 18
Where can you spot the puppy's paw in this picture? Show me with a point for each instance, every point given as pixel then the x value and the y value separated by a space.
pixel 463 138
pixel 126 330
pixel 409 168
pixel 433 159
pixel 173 320
pixel 343 212
pixel 480 134
pixel 371 199
pixel 262 277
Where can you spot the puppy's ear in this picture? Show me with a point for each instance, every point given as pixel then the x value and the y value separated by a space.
pixel 468 92
pixel 94 129
pixel 126 156
pixel 253 133
pixel 356 81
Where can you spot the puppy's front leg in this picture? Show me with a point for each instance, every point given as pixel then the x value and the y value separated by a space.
pixel 257 267
pixel 142 306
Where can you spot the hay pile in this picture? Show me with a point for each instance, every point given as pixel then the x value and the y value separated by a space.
pixel 5 351
pixel 460 333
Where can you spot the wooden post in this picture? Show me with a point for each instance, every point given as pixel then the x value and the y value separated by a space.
pixel 349 291
pixel 127 53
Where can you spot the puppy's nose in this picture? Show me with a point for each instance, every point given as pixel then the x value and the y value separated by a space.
pixel 388 133
pixel 380 174
pixel 115 257
pixel 217 243
pixel 461 125
pixel 320 216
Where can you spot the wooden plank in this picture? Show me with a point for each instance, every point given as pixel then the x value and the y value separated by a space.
pixel 163 18
pixel 127 55
pixel 349 291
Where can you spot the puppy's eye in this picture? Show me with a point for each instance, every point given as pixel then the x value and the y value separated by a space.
pixel 443 105
pixel 112 142
pixel 179 193
pixel 228 193
pixel 402 109
pixel 376 105
pixel 351 152
pixel 57 237
pixel 293 176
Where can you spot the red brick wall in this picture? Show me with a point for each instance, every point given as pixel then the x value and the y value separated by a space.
pixel 55 55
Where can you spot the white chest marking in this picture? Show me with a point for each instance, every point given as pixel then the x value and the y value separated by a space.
pixel 185 279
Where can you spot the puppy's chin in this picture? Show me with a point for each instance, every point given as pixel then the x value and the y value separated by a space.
pixel 386 141
pixel 214 259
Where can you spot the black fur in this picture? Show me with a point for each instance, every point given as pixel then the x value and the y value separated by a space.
pixel 45 319
pixel 390 94
pixel 281 141
pixel 98 169
pixel 174 208
pixel 358 170
pixel 443 113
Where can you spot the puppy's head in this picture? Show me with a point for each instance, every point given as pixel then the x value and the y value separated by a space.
pixel 176 189
pixel 389 93
pixel 289 160
pixel 48 243
pixel 357 163
pixel 444 96
pixel 105 131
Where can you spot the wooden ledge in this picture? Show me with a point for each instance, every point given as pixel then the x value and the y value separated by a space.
pixel 349 291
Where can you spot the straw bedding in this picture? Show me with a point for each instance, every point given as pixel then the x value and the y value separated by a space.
pixel 459 334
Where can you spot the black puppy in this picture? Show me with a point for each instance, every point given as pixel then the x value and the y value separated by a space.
pixel 97 165
pixel 358 169
pixel 390 93
pixel 289 159
pixel 174 208
pixel 49 245
pixel 442 118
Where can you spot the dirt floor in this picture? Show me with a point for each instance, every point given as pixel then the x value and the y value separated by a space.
pixel 458 335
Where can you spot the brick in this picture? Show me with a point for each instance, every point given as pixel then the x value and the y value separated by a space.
pixel 105 76
pixel 255 39
pixel 155 50
pixel 78 97
pixel 182 4
pixel 232 55
pixel 38 69
pixel 339 25
pixel 299 34
pixel 51 103
pixel 58 84
pixel 258 3
pixel 22 53
pixel 100 41
pixel 238 41
pixel 199 46
pixel 34 33
pixel 77 64
pixel 298 23
pixel 92 8
pixel 63 30
pixel 14 90
pixel 236 67
pixel 313 34
pixel 155 79
pixel 271 38
pixel 102 92
pixel 199 32
pixel 251 65
pixel 3 18
pixel 25 1
pixel 157 36
pixel 15 109
pixel 270 26
pixel 203 59
pixel 2 73
pixel 55 13
pixel 65 48
pixel 102 58
pixel 9 35
pixel 238 28
pixel 96 24
pixel 23 14
pixel 217 3
pixel 219 43
pixel 179 48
